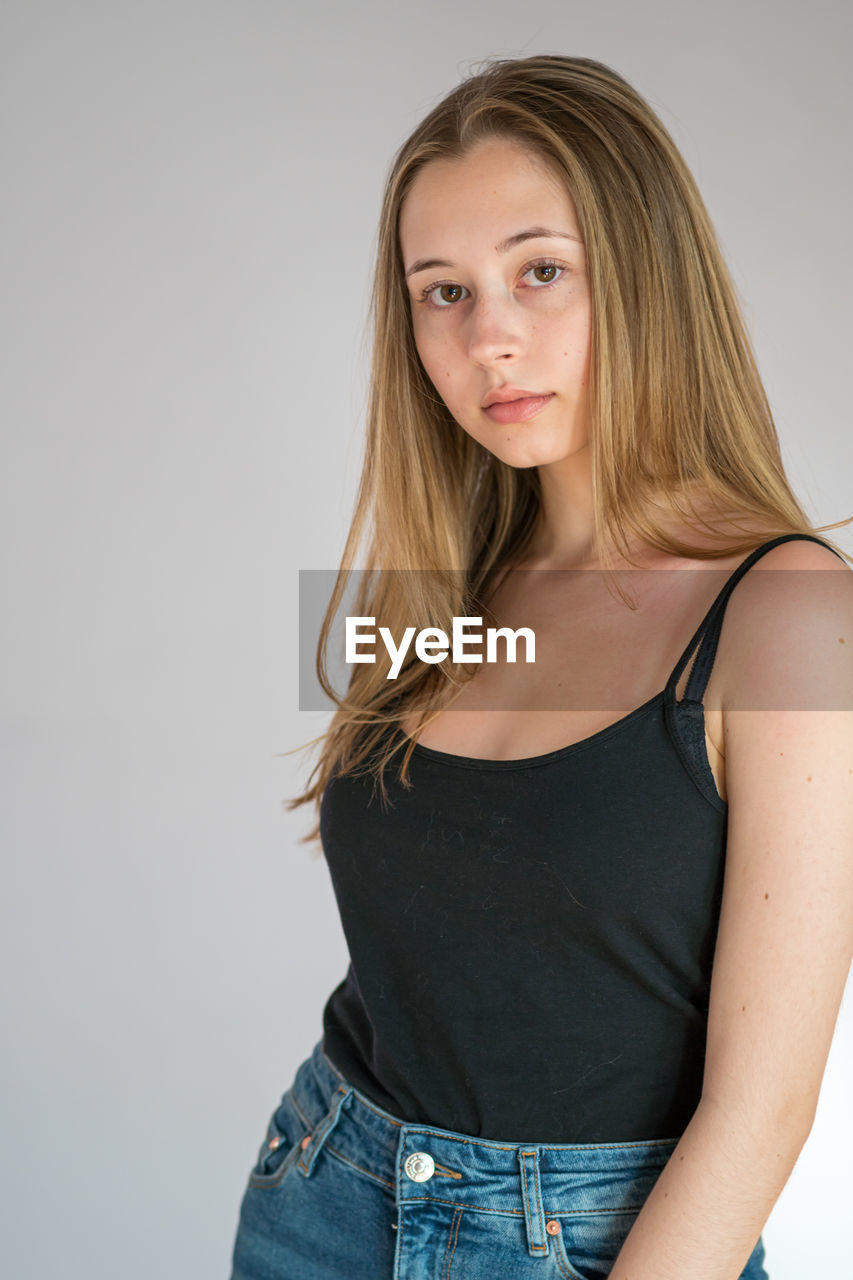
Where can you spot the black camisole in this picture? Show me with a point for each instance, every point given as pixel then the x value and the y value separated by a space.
pixel 531 941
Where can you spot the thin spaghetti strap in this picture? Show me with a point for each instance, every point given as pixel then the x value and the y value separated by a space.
pixel 709 628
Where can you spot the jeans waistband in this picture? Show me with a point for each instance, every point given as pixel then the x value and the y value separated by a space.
pixel 423 1162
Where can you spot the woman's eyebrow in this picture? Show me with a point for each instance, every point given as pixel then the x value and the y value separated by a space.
pixel 532 233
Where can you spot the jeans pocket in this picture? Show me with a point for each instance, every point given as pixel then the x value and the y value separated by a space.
pixel 592 1234
pixel 587 1245
pixel 281 1146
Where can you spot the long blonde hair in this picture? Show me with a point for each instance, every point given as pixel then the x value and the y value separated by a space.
pixel 676 401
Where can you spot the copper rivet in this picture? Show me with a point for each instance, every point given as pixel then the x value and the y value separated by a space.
pixel 274 1142
pixel 306 1140
pixel 552 1227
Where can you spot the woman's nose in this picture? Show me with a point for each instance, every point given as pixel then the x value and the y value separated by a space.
pixel 496 327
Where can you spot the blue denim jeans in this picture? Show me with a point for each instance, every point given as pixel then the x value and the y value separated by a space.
pixel 342 1190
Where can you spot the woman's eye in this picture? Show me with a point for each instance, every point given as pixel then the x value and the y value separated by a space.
pixel 426 296
pixel 546 264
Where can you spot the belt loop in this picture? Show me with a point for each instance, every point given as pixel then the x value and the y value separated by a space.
pixel 531 1194
pixel 343 1098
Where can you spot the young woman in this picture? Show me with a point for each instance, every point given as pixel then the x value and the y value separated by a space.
pixel 599 906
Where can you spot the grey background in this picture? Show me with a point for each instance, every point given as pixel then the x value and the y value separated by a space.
pixel 189 211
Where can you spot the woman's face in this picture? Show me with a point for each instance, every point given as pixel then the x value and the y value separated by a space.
pixel 492 314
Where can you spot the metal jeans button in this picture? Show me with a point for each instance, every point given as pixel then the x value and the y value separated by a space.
pixel 419 1166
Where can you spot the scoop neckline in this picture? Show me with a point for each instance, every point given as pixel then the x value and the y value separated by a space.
pixel 547 757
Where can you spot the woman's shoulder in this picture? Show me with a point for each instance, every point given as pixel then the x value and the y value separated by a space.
pixel 800 553
pixel 718 539
pixel 788 640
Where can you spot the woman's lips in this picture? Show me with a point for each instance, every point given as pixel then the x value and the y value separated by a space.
pixel 517 410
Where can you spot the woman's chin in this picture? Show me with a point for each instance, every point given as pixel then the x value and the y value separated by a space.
pixel 521 453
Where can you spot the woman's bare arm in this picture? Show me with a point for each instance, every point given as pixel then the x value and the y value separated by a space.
pixel 785 939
